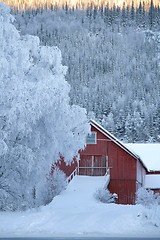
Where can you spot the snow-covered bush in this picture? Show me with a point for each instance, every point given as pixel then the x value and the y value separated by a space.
pixel 37 122
pixel 104 195
pixel 57 183
pixel 151 202
pixel 147 198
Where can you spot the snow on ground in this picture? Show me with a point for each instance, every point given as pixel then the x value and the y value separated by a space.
pixel 148 152
pixel 76 213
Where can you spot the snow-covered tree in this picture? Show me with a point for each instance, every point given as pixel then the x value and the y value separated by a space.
pixel 37 122
pixel 147 198
pixel 151 202
pixel 57 182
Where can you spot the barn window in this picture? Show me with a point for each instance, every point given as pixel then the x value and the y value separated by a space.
pixel 91 138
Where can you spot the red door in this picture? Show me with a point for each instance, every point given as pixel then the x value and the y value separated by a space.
pixel 93 165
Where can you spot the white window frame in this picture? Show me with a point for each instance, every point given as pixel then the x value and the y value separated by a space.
pixel 95 139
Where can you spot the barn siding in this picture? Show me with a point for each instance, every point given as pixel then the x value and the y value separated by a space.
pixel 124 189
pixel 123 166
pixel 122 174
pixel 96 149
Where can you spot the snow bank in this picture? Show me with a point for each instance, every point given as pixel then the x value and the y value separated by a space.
pixel 77 213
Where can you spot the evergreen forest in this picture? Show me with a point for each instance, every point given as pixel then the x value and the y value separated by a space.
pixel 113 60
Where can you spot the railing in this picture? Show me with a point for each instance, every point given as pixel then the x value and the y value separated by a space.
pixel 76 172
pixel 92 171
pixel 71 176
pixel 92 167
pixel 107 172
pixel 107 178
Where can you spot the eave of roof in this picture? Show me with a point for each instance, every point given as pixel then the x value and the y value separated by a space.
pixel 116 141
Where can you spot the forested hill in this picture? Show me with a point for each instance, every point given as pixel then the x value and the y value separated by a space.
pixel 113 59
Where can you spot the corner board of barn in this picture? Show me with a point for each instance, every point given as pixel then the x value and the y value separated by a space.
pixel 104 154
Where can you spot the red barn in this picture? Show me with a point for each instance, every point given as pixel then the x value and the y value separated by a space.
pixel 104 151
pixel 106 154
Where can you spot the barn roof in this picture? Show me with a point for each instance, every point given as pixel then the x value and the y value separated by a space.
pixel 149 154
pixel 116 141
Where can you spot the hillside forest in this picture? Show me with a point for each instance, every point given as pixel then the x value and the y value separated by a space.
pixel 113 60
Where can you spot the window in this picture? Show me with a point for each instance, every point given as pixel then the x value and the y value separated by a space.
pixel 91 138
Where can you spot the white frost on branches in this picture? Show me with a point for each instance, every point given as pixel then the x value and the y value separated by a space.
pixel 103 195
pixel 147 198
pixel 57 182
pixel 37 123
pixel 151 202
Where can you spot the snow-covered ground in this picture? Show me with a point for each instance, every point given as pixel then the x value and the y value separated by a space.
pixel 76 213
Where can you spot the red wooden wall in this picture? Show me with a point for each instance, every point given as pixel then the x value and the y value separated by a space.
pixel 123 174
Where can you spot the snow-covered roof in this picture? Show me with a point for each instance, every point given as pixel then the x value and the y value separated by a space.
pixel 152 181
pixel 149 154
pixel 116 141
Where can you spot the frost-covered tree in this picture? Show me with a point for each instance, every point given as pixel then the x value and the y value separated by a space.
pixel 37 122
pixel 57 182
pixel 147 197
pixel 151 202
